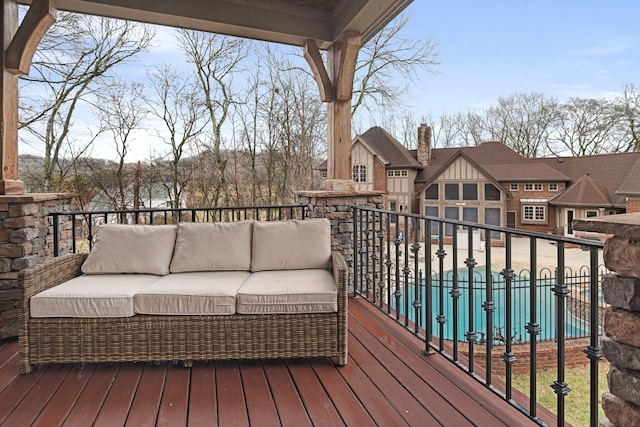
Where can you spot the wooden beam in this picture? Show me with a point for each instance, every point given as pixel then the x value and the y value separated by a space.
pixel 320 75
pixel 40 16
pixel 346 73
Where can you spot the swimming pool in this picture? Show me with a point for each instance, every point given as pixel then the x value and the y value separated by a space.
pixel 520 308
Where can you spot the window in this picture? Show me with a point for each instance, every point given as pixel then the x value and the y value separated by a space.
pixel 591 214
pixel 324 174
pixel 404 173
pixel 533 187
pixel 470 191
pixel 432 211
pixel 514 187
pixel 431 193
pixel 553 187
pixel 450 213
pixel 360 173
pixel 492 217
pixel 470 214
pixel 534 213
pixel 491 192
pixel 390 174
pixel 451 192
pixel 398 173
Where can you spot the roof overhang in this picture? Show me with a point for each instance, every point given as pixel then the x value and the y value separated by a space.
pixel 282 21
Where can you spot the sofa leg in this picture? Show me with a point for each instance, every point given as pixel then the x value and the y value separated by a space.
pixel 341 360
pixel 188 363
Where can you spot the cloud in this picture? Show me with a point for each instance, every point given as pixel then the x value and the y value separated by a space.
pixel 609 46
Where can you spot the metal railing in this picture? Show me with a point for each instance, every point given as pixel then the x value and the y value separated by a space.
pixel 82 225
pixel 453 284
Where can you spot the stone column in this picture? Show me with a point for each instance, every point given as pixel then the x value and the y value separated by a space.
pixel 336 206
pixel 26 239
pixel 621 342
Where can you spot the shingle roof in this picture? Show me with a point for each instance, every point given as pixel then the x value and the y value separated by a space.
pixel 495 158
pixel 618 173
pixel 390 148
pixel 586 191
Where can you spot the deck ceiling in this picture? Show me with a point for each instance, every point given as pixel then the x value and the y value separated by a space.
pixel 281 21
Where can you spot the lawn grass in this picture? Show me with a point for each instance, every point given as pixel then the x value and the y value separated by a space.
pixel 577 401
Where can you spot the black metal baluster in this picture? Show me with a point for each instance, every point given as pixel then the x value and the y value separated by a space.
pixel 508 356
pixel 388 263
pixel 406 271
pixel 417 298
pixel 356 277
pixel 561 291
pixel 488 306
pixel 382 259
pixel 471 334
pixel 441 319
pixel 533 327
pixel 455 292
pixel 428 292
pixel 397 292
pixel 367 270
pixel 593 350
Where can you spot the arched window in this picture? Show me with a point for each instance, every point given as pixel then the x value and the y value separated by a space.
pixel 360 173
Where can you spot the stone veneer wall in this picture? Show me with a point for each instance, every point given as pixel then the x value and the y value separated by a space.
pixel 621 343
pixel 335 206
pixel 26 239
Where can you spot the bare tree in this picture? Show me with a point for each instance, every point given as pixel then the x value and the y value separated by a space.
pixel 586 127
pixel 73 62
pixel 216 59
pixel 523 121
pixel 176 102
pixel 120 111
pixel 629 108
pixel 386 57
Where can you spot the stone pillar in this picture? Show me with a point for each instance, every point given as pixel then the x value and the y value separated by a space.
pixel 26 239
pixel 336 206
pixel 621 342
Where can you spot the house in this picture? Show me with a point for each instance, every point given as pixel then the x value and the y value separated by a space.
pixel 492 184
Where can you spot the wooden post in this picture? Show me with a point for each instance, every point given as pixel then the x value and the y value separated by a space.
pixel 18 47
pixel 335 83
pixel 9 183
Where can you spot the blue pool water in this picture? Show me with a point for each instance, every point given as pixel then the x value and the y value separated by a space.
pixel 520 300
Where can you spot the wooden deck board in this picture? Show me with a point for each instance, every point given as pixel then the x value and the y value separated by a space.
pixel 387 381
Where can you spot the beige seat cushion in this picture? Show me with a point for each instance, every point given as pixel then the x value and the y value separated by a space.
pixel 217 246
pixel 288 291
pixel 291 245
pixel 195 293
pixel 122 248
pixel 106 295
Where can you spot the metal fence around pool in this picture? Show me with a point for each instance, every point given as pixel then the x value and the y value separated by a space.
pixel 454 283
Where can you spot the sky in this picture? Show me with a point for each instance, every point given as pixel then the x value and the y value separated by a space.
pixel 562 48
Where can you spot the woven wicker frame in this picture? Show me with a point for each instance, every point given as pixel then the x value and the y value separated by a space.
pixel 172 338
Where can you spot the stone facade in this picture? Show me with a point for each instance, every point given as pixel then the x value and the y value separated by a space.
pixel 621 343
pixel 26 239
pixel 336 206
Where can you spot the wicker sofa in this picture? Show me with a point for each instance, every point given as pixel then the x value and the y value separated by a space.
pixel 192 291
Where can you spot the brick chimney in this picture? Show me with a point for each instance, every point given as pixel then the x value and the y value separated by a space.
pixel 424 145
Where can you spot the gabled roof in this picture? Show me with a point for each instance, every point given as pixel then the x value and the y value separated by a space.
pixel 383 144
pixel 586 191
pixel 497 160
pixel 618 173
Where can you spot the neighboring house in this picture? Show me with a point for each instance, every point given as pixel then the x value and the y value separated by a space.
pixel 492 184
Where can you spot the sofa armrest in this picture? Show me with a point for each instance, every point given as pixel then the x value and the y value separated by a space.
pixel 51 273
pixel 340 276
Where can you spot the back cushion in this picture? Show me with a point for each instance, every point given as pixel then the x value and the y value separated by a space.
pixel 215 246
pixel 121 248
pixel 291 245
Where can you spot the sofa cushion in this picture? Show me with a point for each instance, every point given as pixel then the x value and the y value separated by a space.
pixel 288 291
pixel 195 293
pixel 213 246
pixel 105 295
pixel 122 248
pixel 291 245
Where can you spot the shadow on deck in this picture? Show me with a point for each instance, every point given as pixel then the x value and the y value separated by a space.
pixel 387 382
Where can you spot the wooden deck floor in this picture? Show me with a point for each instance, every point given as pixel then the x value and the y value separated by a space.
pixel 387 382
